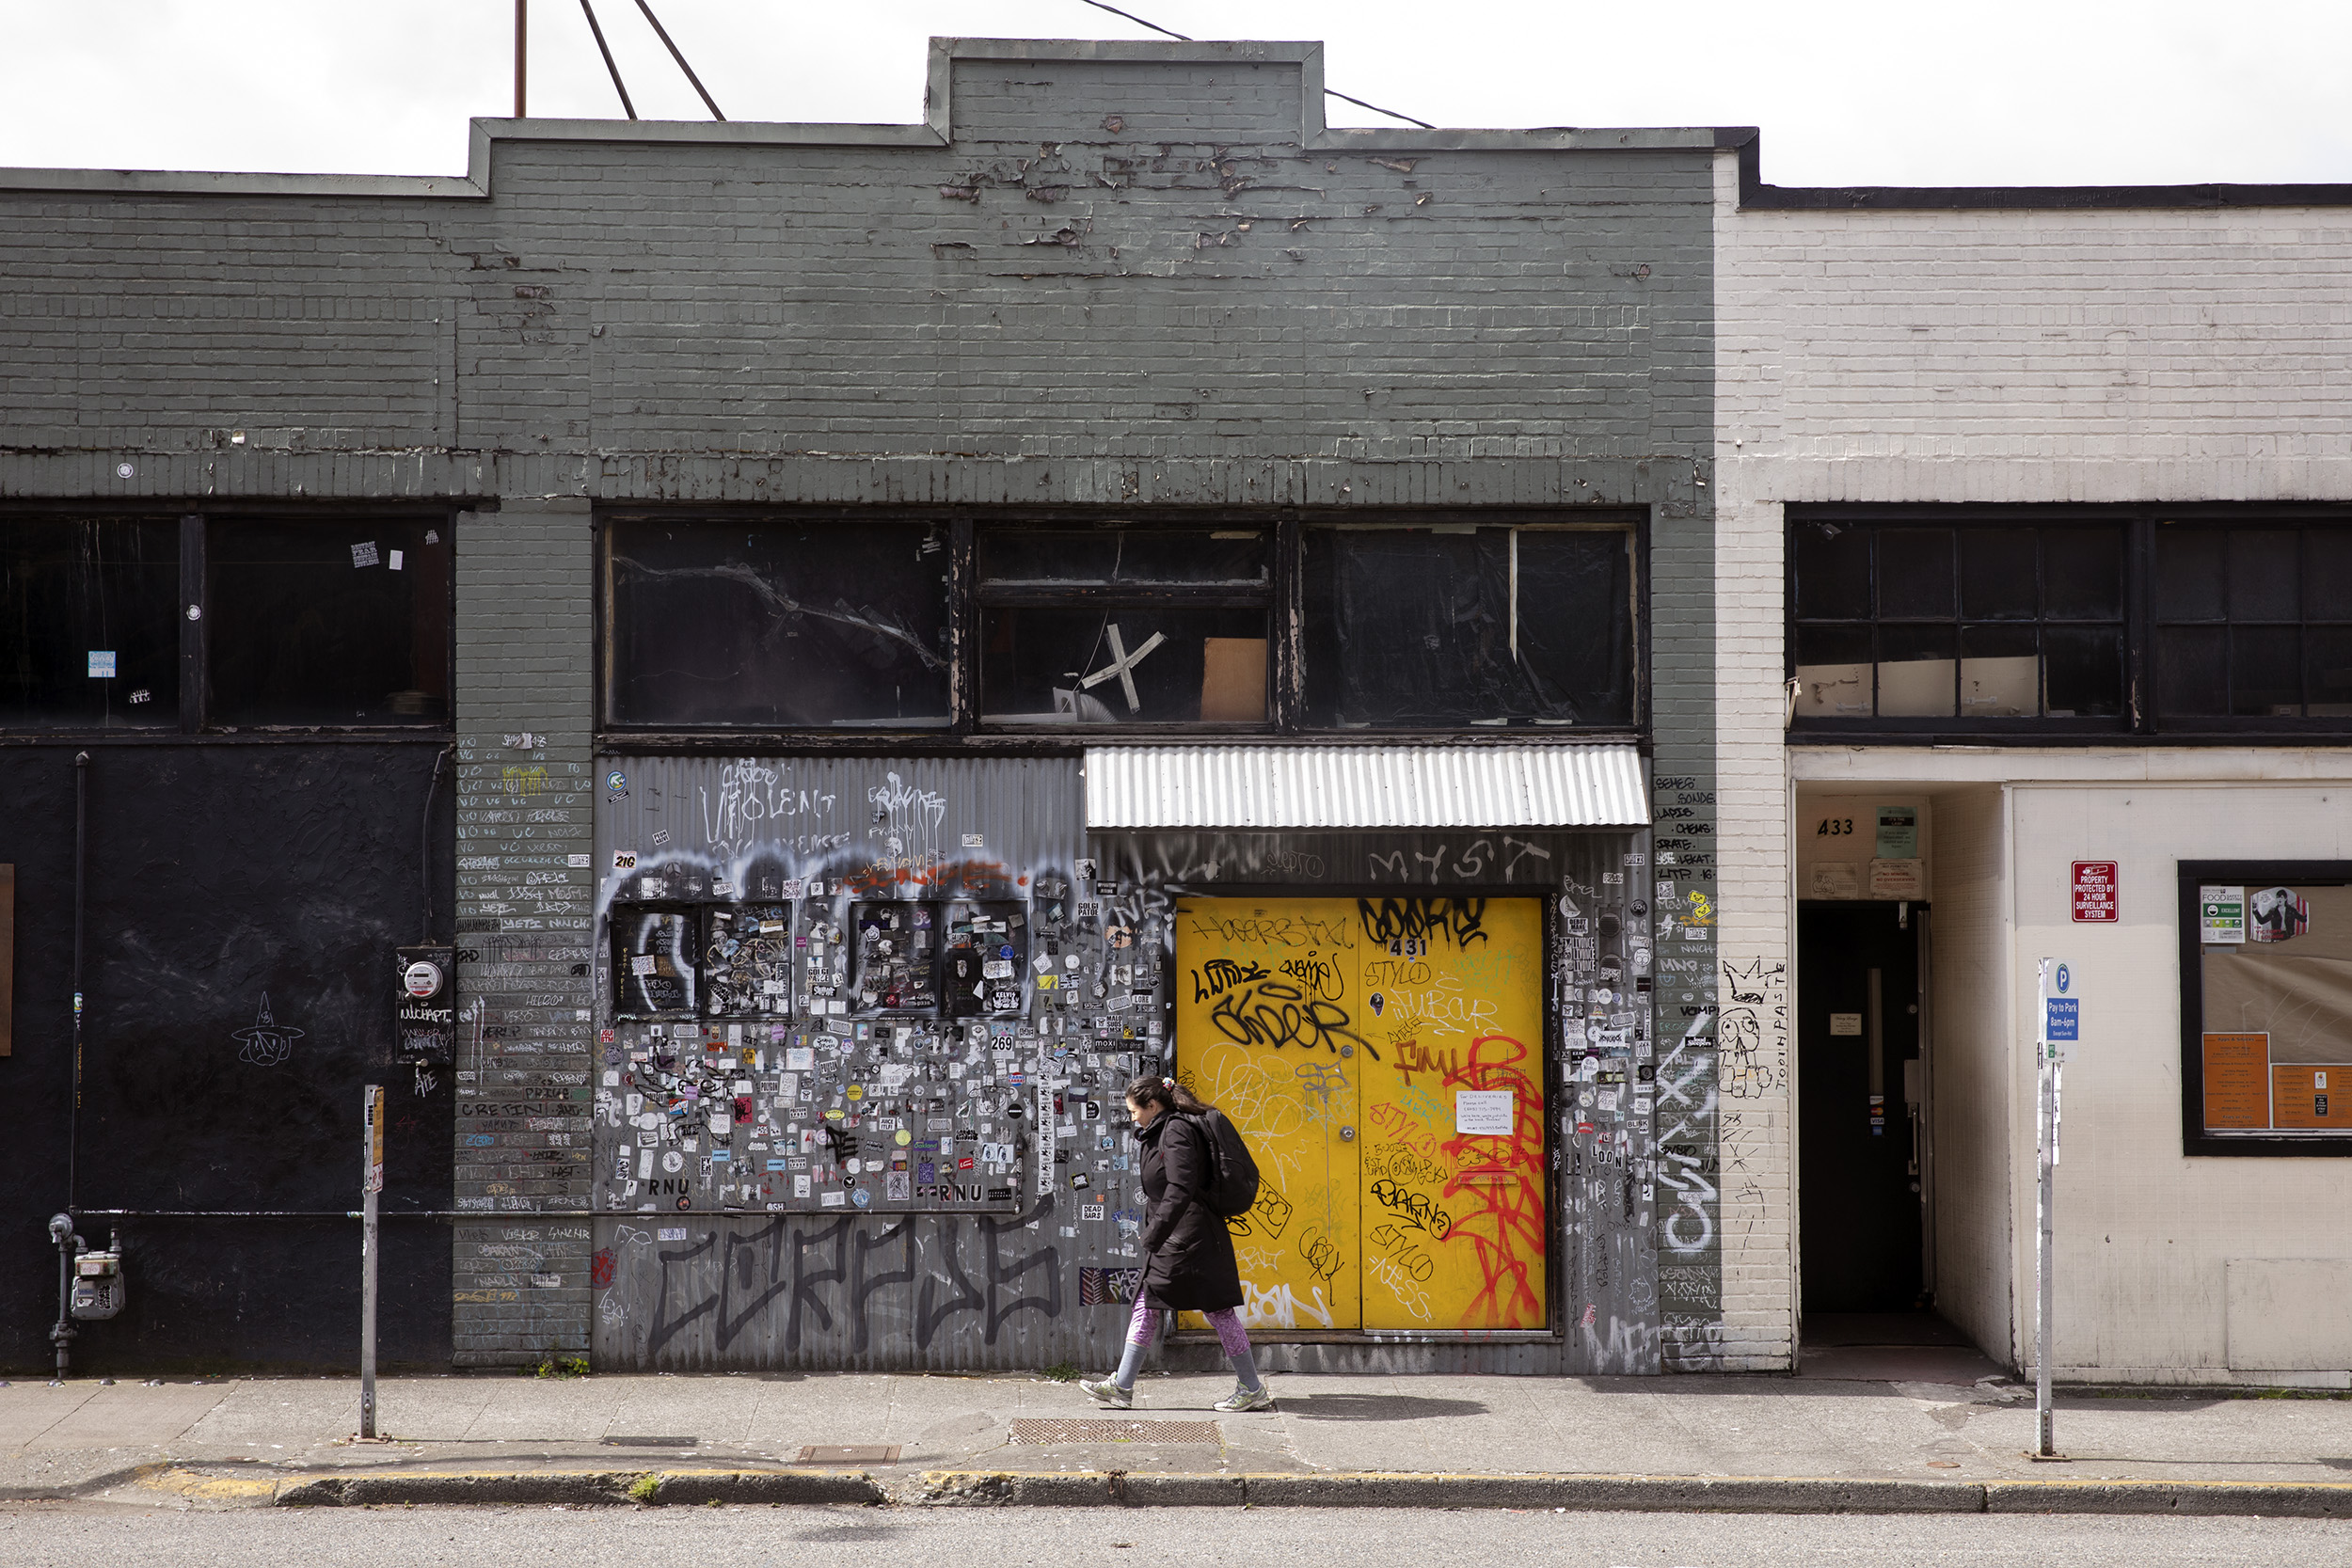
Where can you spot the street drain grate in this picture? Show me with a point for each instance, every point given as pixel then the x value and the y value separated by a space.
pixel 852 1453
pixel 1057 1430
pixel 651 1442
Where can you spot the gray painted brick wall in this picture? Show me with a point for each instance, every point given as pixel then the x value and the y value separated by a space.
pixel 1131 275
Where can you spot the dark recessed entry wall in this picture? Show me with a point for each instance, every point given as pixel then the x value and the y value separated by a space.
pixel 242 904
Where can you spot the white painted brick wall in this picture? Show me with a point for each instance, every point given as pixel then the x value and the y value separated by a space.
pixel 1992 356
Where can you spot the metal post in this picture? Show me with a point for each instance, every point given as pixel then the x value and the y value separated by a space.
pixel 372 1156
pixel 2046 1144
pixel 522 53
pixel 2043 1420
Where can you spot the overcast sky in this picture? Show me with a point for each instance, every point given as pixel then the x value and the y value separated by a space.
pixel 1984 92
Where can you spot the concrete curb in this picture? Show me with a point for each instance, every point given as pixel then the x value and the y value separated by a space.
pixel 1375 1489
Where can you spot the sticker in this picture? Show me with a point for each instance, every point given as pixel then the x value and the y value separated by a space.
pixel 363 555
pixel 393 560
pixel 142 695
pixel 975 840
pixel 673 1162
pixel 616 782
pixel 624 860
pixel 101 664
pixel 2221 914
pixel 432 536
pixel 672 1232
pixel 641 963
pixel 832 1197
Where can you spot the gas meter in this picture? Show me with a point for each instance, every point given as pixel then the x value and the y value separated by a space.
pixel 98 1281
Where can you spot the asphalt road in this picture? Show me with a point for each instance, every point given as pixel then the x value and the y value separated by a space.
pixel 42 1535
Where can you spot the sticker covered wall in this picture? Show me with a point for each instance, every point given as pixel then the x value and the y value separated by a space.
pixel 863 1027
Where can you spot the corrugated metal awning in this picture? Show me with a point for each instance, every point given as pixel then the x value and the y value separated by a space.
pixel 1365 786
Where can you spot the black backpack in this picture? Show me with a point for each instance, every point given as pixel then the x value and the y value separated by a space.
pixel 1234 1190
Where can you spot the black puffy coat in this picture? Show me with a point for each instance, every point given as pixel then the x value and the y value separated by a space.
pixel 1190 1266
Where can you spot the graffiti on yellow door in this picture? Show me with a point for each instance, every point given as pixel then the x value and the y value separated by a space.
pixel 1384 1058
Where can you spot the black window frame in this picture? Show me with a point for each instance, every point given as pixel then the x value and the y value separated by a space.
pixel 2195 1139
pixel 1282 597
pixel 2142 722
pixel 197 523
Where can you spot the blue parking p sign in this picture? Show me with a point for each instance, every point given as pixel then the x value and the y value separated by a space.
pixel 2062 1018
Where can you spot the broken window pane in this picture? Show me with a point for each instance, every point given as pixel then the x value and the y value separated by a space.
pixel 328 620
pixel 1832 571
pixel 2000 672
pixel 1834 676
pixel 1127 665
pixel 1458 625
pixel 1915 674
pixel 1915 573
pixel 1123 554
pixel 89 629
pixel 765 624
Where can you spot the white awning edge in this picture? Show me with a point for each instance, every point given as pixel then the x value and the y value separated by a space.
pixel 1258 786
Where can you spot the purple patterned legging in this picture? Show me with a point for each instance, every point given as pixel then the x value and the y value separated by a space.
pixel 1230 1336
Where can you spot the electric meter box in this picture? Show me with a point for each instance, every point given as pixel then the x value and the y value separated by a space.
pixel 424 979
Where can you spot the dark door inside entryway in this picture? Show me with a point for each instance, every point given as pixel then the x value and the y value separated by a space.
pixel 1859 1175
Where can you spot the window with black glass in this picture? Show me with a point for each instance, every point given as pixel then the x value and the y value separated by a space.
pixel 2123 621
pixel 1448 625
pixel 327 622
pixel 760 623
pixel 205 622
pixel 2253 622
pixel 1123 625
pixel 89 622
pixel 1038 623
pixel 1924 624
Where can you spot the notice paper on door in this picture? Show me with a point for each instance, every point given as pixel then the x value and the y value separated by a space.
pixel 1482 1113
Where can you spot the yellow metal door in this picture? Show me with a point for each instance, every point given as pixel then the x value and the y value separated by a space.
pixel 1384 1057
pixel 1264 1032
pixel 1453 1106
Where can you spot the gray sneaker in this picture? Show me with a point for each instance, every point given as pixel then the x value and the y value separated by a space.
pixel 1259 1397
pixel 1108 1392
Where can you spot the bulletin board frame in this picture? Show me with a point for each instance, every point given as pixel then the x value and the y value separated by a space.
pixel 2196 1139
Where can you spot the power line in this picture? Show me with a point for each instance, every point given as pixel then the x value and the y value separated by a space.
pixel 1185 38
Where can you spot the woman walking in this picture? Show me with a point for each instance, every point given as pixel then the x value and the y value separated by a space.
pixel 1190 1262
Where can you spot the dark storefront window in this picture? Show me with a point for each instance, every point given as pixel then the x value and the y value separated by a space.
pixel 1986 623
pixel 89 622
pixel 1901 622
pixel 2253 622
pixel 1013 623
pixel 1419 628
pixel 2267 1007
pixel 756 626
pixel 329 622
pixel 1123 625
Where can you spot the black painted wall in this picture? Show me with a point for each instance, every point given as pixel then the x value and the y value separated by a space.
pixel 219 873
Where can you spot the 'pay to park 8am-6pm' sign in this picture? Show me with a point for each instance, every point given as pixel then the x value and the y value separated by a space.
pixel 1384 1058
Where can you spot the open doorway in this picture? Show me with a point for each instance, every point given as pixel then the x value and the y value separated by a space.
pixel 1862 1127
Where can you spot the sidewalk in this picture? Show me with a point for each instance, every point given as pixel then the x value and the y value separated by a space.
pixel 1753 1441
